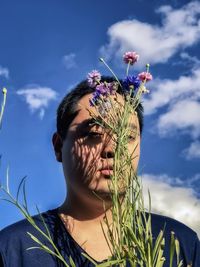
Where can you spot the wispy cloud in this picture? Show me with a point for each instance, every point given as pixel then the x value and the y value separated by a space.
pixel 183 116
pixel 37 97
pixel 69 61
pixel 181 98
pixel 193 151
pixel 168 92
pixel 4 72
pixel 172 200
pixel 179 29
pixel 192 60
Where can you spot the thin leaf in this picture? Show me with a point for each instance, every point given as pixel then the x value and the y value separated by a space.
pixel 172 249
pixel 110 263
pixel 43 221
pixel 19 188
pixel 71 262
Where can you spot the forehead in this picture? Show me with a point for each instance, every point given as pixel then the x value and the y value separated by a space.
pixel 85 110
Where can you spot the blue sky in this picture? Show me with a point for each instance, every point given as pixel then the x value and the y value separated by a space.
pixel 49 46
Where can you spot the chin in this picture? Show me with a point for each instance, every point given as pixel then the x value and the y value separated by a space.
pixel 106 193
pixel 102 188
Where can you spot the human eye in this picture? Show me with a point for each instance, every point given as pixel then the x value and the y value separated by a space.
pixel 132 136
pixel 94 134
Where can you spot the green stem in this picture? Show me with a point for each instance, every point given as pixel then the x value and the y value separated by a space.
pixel 127 69
pixel 102 60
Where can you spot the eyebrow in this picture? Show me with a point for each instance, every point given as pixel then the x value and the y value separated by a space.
pixel 92 122
pixel 88 123
pixel 133 126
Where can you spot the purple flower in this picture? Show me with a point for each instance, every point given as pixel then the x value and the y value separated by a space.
pixel 107 88
pixel 93 78
pixel 130 57
pixel 95 98
pixel 131 81
pixel 102 89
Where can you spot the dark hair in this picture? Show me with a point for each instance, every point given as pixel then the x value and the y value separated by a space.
pixel 67 110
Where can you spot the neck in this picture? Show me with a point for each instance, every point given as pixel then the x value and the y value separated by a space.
pixel 86 208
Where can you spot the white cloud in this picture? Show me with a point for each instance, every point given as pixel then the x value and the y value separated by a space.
pixel 180 28
pixel 184 116
pixel 193 151
pixel 166 91
pixel 182 100
pixel 38 97
pixel 172 200
pixel 69 61
pixel 4 72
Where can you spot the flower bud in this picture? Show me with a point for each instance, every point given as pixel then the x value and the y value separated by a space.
pixel 4 91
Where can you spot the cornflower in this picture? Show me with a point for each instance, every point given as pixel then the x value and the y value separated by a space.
pixel 130 57
pixel 145 76
pixel 93 78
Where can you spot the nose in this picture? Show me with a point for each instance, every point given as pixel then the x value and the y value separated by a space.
pixel 108 150
pixel 107 154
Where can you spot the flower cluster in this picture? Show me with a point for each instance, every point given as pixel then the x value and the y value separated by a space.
pixel 103 89
pixel 130 84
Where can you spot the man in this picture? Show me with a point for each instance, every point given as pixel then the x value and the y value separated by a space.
pixel 86 152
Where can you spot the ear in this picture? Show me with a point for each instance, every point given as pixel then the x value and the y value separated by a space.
pixel 57 144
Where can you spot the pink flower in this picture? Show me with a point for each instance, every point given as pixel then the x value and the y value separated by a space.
pixel 130 57
pixel 145 76
pixel 93 78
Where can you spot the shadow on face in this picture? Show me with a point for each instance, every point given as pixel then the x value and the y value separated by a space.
pixel 88 153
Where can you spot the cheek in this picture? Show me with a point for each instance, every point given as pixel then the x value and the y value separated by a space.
pixel 84 158
pixel 134 150
pixel 84 152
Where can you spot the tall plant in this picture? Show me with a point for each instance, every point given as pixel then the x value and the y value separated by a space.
pixel 130 233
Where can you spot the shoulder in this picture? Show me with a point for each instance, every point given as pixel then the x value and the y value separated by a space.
pixel 15 229
pixel 168 225
pixel 17 232
pixel 14 242
pixel 188 239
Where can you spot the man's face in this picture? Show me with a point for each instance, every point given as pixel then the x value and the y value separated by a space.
pixel 88 151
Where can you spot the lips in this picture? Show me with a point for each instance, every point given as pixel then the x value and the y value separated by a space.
pixel 107 170
pixel 106 167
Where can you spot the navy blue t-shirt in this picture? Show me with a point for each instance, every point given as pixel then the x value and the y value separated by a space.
pixel 14 242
